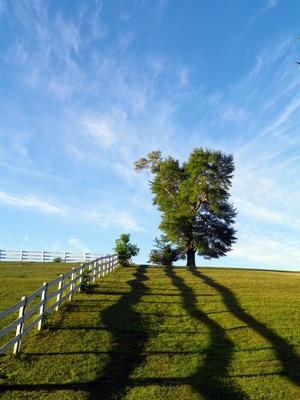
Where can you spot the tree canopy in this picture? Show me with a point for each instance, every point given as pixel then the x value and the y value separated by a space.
pixel 193 198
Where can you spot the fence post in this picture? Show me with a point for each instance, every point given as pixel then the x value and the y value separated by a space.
pixel 94 271
pixel 80 276
pixel 60 286
pixel 20 326
pixel 98 268
pixel 21 256
pixel 72 284
pixel 43 305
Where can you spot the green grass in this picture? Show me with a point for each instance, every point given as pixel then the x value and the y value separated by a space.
pixel 20 279
pixel 147 333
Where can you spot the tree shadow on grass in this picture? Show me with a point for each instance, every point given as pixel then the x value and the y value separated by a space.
pixel 285 351
pixel 129 335
pixel 211 379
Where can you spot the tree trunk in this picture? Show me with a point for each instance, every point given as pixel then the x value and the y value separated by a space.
pixel 191 262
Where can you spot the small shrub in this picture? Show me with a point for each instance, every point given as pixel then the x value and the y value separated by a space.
pixel 125 249
pixel 46 320
pixel 165 254
pixel 86 283
pixel 57 260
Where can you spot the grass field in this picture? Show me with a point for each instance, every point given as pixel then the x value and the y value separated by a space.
pixel 149 333
pixel 20 279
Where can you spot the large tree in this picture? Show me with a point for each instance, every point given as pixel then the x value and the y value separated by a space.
pixel 193 198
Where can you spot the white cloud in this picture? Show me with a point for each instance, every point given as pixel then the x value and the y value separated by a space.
pixel 233 113
pixel 112 217
pixel 15 144
pixel 126 221
pixel 108 216
pixel 183 74
pixel 158 64
pixel 101 130
pixel 284 116
pixel 271 4
pixel 78 245
pixel 257 211
pixel 69 36
pixel 31 202
pixel 125 39
pixel 98 28
pixel 2 7
pixel 268 6
pixel 267 250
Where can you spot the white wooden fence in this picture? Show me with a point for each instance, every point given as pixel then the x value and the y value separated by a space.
pixel 46 256
pixel 32 309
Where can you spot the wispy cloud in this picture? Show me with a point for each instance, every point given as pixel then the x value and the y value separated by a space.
pixel 183 75
pixel 264 214
pixel 31 202
pixel 125 39
pixel 78 245
pixel 2 7
pixel 108 216
pixel 268 6
pixel 15 143
pixel 26 238
pixel 101 130
pixel 265 250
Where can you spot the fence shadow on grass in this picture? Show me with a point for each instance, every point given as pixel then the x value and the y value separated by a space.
pixel 284 350
pixel 211 379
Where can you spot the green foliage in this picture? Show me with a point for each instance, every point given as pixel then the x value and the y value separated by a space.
pixel 125 249
pixel 57 260
pixel 164 253
pixel 194 200
pixel 86 283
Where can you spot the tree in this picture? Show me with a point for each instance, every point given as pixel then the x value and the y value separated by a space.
pixel 125 249
pixel 194 201
pixel 165 254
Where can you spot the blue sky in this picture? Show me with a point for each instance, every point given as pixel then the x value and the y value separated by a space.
pixel 88 87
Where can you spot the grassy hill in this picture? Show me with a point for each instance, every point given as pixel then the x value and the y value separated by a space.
pixel 149 333
pixel 20 279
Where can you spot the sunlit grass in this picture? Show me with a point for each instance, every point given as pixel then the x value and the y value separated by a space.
pixel 20 279
pixel 150 333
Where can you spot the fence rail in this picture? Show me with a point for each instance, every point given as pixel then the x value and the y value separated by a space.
pixel 46 256
pixel 33 308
